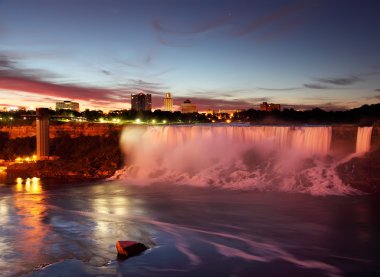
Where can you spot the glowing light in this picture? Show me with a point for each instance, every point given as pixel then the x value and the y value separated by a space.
pixel 213 121
pixel 34 157
pixel 27 159
pixel 164 121
pixel 18 160
pixel 27 184
pixel 153 121
pixel 138 120
pixel 228 121
pixel 101 120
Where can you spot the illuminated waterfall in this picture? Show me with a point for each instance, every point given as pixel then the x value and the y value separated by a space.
pixel 363 139
pixel 283 158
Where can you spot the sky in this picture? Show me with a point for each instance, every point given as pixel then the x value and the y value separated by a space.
pixel 219 54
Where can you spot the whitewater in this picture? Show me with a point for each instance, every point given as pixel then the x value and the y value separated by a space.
pixel 265 158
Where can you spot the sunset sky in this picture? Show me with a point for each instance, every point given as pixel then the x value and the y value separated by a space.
pixel 219 54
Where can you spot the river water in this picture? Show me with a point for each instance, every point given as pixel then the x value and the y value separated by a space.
pixel 71 230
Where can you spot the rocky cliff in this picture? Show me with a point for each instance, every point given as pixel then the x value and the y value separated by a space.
pixel 59 129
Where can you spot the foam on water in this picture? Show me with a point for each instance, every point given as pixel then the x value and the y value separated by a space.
pixel 282 158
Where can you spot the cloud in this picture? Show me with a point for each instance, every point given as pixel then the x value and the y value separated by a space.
pixel 280 89
pixel 343 81
pixel 200 27
pixel 315 86
pixel 33 82
pixel 261 99
pixel 377 89
pixel 144 85
pixel 274 17
pixel 105 72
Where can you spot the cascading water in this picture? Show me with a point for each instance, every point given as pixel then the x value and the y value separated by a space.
pixel 237 157
pixel 363 140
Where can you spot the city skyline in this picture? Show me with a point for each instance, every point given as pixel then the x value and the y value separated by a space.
pixel 221 55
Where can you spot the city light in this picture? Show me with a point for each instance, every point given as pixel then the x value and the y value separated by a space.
pixel 164 121
pixel 153 121
pixel 228 121
pixel 138 121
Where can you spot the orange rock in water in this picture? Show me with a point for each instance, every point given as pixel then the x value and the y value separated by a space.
pixel 130 248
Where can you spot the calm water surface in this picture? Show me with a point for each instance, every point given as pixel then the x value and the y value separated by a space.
pixel 71 230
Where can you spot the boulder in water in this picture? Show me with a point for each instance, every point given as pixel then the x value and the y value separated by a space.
pixel 129 248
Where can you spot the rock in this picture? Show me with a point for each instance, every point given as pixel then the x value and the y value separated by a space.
pixel 129 248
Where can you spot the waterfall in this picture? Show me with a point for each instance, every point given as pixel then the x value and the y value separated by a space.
pixel 363 139
pixel 281 158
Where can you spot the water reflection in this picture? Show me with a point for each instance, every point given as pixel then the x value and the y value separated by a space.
pixel 29 185
pixel 22 213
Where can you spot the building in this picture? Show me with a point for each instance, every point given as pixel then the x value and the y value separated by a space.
pixel 188 107
pixel 67 105
pixel 168 102
pixel 141 102
pixel 265 107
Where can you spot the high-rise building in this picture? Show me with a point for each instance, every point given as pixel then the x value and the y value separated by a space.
pixel 168 102
pixel 265 107
pixel 141 102
pixel 188 107
pixel 67 105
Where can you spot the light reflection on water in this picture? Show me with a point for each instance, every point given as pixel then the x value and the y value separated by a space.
pixel 195 230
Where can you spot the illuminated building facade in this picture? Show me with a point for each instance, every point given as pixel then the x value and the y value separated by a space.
pixel 168 102
pixel 188 107
pixel 265 107
pixel 141 102
pixel 42 132
pixel 67 105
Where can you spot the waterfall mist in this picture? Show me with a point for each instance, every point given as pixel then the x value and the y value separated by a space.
pixel 280 158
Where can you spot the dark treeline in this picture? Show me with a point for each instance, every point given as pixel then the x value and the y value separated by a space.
pixel 365 115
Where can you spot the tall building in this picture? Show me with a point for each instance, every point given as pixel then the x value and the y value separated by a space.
pixel 265 107
pixel 141 102
pixel 168 102
pixel 42 132
pixel 188 107
pixel 67 105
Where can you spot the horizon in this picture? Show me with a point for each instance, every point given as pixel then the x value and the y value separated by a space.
pixel 300 54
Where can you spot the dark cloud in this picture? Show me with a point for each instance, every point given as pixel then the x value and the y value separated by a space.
pixel 377 89
pixel 261 99
pixel 236 21
pixel 279 89
pixel 281 29
pixel 200 27
pixel 315 86
pixel 343 81
pixel 105 72
pixel 140 84
pixel 173 43
pixel 275 17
